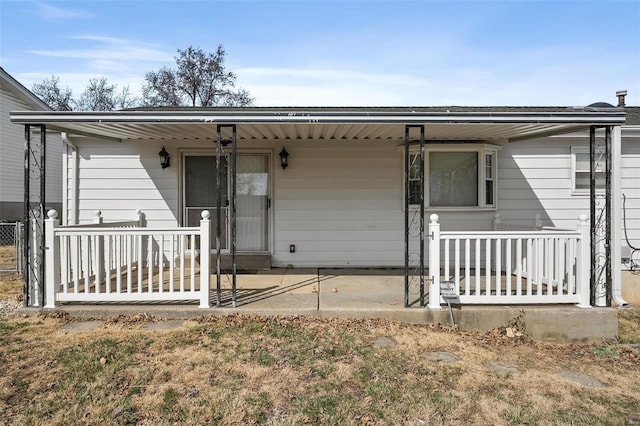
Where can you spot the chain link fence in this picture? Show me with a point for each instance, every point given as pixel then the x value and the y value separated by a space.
pixel 10 246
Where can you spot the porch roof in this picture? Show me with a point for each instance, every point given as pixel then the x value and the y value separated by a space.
pixel 326 123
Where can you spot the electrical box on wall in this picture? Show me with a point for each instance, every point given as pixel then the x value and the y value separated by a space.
pixel 292 248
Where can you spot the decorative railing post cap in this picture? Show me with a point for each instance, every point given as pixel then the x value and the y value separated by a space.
pixel 433 218
pixel 205 214
pixel 52 214
pixel 583 217
pixel 97 213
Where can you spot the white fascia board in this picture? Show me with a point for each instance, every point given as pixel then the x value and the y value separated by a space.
pixel 355 116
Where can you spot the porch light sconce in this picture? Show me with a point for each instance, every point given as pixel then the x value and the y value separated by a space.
pixel 165 158
pixel 283 158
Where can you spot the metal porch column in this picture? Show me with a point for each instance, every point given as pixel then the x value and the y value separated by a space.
pixel 218 214
pixel 34 204
pixel 220 142
pixel 600 210
pixel 407 221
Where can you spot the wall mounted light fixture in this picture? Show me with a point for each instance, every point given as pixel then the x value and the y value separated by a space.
pixel 283 158
pixel 165 158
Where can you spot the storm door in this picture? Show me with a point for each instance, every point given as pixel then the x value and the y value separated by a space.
pixel 252 198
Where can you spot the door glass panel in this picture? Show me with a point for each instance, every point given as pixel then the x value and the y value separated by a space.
pixel 252 202
pixel 200 193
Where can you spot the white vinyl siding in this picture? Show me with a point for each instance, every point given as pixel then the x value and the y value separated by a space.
pixel 630 174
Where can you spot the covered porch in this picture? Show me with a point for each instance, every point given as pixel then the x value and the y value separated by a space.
pixel 479 266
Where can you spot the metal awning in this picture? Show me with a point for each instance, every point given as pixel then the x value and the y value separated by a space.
pixel 455 123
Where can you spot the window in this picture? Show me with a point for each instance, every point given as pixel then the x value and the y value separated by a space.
pixel 581 169
pixel 455 176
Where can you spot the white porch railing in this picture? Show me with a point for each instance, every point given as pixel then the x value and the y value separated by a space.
pixel 511 267
pixel 123 262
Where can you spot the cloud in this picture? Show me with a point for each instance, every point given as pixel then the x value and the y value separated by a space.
pixel 53 13
pixel 109 50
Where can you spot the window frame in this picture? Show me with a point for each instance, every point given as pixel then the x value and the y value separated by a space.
pixel 482 150
pixel 581 149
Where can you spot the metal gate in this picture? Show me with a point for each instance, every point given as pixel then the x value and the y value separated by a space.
pixel 10 246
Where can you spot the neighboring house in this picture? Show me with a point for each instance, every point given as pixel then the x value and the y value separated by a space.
pixel 15 97
pixel 340 202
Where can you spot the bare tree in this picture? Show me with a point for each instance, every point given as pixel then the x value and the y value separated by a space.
pixel 51 94
pixel 199 80
pixel 100 95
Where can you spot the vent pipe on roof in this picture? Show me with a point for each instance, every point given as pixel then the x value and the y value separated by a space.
pixel 621 94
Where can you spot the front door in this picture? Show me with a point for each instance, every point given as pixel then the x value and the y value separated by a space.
pixel 252 198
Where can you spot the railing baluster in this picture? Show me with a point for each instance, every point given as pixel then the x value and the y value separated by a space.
pixel 487 267
pixel 498 266
pixel 467 266
pixel 519 267
pixel 477 265
pixel 161 263
pixel 457 264
pixel 64 257
pixel 172 257
pixel 108 259
pixel 140 263
pixel 118 247
pixel 183 250
pixel 193 262
pixel 150 258
pixel 446 260
pixel 529 271
pixel 129 258
pixel 507 273
pixel 87 269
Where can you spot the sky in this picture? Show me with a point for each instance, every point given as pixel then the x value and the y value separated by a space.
pixel 342 53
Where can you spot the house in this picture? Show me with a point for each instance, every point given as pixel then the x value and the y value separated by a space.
pixel 13 97
pixel 328 187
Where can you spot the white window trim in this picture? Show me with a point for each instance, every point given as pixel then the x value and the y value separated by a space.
pixel 481 150
pixel 580 149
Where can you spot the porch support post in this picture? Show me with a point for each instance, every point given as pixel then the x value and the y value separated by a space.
pixel 233 213
pixel 434 262
pixel 407 194
pixel 205 259
pixel 43 198
pixel 582 263
pixel 616 209
pixel 609 241
pixel 43 176
pixel 52 259
pixel 593 217
pixel 421 216
pixel 26 233
pixel 218 214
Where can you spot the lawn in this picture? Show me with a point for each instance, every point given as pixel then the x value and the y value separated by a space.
pixel 301 370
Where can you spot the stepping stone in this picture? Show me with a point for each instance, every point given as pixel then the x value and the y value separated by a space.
pixel 503 367
pixel 444 357
pixel 163 325
pixel 384 342
pixel 583 379
pixel 81 326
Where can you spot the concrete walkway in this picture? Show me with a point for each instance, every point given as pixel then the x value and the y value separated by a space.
pixel 365 293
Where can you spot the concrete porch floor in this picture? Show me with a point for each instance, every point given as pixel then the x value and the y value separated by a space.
pixel 365 293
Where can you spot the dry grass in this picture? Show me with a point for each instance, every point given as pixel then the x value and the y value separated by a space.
pixel 298 370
